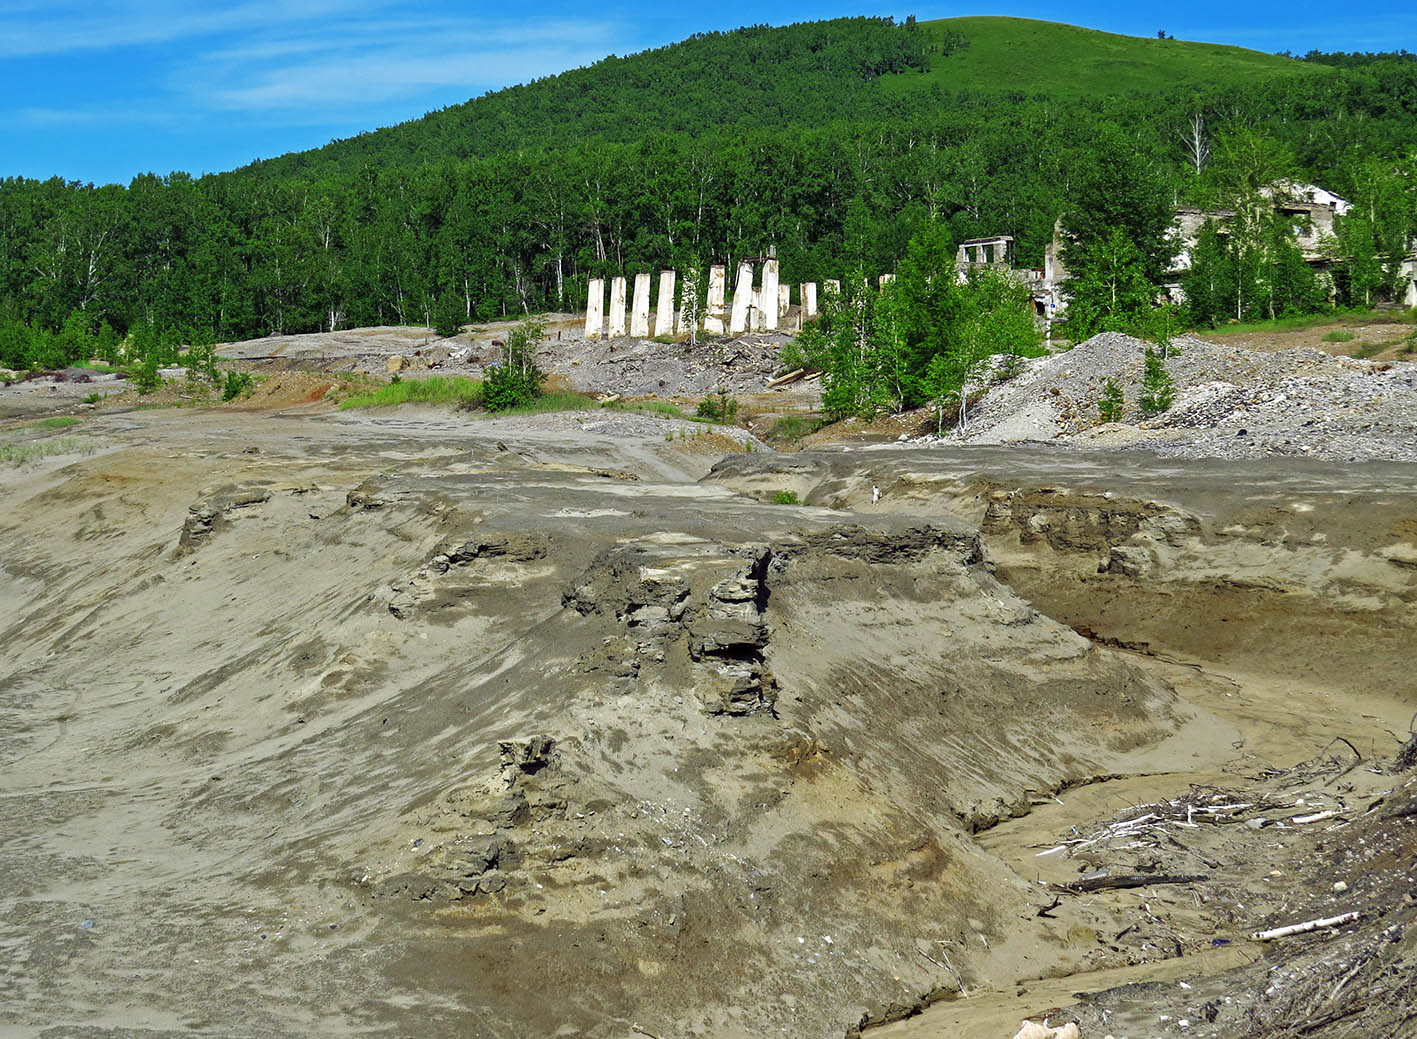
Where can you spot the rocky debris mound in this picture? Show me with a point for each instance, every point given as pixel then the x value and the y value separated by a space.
pixel 636 367
pixel 1230 402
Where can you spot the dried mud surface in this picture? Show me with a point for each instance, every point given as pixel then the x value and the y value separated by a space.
pixel 322 723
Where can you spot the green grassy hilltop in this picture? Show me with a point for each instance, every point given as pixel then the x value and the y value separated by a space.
pixel 1035 57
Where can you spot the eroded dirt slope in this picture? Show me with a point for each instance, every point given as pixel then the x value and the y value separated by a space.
pixel 318 724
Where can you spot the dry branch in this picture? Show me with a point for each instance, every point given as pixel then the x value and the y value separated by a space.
pixel 1130 880
pixel 1305 928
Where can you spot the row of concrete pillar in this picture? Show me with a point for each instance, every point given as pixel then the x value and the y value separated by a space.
pixel 759 309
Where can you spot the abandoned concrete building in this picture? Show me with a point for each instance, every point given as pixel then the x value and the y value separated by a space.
pixel 1310 210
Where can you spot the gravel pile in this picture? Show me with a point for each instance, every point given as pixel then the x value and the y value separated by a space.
pixel 1230 403
pixel 636 367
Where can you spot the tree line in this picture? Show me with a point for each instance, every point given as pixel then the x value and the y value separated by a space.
pixel 396 237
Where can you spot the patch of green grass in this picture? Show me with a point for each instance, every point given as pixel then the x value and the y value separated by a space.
pixel 1065 61
pixel 1339 335
pixel 1364 350
pixel 33 450
pixel 551 402
pixel 657 407
pixel 55 422
pixel 1299 322
pixel 795 427
pixel 435 390
pixel 786 498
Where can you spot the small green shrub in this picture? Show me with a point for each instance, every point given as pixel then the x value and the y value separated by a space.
pixel 786 498
pixel 1112 402
pixel 516 380
pixel 237 384
pixel 791 357
pixel 93 398
pixel 1158 392
pixel 145 376
pixel 1339 335
pixel 721 408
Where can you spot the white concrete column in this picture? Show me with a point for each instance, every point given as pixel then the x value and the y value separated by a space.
pixel 617 308
pixel 742 300
pixel 713 305
pixel 595 309
pixel 769 295
pixel 886 279
pixel 809 300
pixel 784 301
pixel 664 310
pixel 639 315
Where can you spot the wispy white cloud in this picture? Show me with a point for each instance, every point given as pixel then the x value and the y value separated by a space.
pixel 380 63
pixel 288 62
pixel 67 26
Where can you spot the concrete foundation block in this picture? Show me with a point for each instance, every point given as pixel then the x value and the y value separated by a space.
pixel 742 300
pixel 713 303
pixel 617 308
pixel 664 307
pixel 595 309
pixel 809 300
pixel 769 296
pixel 639 312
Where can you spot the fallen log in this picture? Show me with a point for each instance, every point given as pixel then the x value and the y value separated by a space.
pixel 791 376
pixel 1130 880
pixel 1304 928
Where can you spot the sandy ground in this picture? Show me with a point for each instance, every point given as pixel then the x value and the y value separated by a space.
pixel 328 723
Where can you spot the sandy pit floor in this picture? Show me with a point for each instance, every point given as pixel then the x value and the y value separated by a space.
pixel 328 723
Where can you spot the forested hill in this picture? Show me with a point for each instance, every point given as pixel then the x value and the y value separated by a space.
pixel 799 75
pixel 833 143
pixel 806 75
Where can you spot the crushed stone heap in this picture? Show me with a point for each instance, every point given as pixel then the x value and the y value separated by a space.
pixel 1230 403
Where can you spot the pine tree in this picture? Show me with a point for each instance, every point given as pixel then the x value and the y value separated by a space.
pixel 1158 392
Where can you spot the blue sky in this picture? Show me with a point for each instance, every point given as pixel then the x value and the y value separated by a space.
pixel 102 90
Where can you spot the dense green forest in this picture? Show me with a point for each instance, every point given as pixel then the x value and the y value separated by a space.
pixel 719 147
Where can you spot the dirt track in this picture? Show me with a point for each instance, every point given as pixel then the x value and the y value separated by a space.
pixel 324 724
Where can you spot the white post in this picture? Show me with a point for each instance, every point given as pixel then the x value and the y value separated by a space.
pixel 769 302
pixel 664 312
pixel 809 300
pixel 639 316
pixel 742 300
pixel 713 306
pixel 784 301
pixel 595 309
pixel 617 308
pixel 886 279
